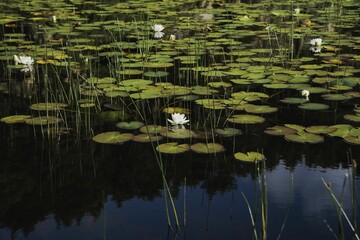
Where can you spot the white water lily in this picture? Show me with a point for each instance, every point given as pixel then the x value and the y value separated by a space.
pixel 316 45
pixel 297 10
pixel 305 93
pixel 316 42
pixel 172 37
pixel 23 60
pixel 178 119
pixel 315 49
pixel 158 28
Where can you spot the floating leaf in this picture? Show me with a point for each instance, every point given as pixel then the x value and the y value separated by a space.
pixel 152 129
pixel 249 156
pixel 279 130
pixel 130 125
pixel 314 106
pixel 43 120
pixel 15 119
pixel 294 100
pixel 48 106
pixel 176 110
pixel 177 133
pixel 228 132
pixel 113 137
pixel 250 108
pixel 304 137
pixel 172 148
pixel 341 130
pixel 144 137
pixel 320 129
pixel 246 119
pixel 352 139
pixel 351 117
pixel 207 148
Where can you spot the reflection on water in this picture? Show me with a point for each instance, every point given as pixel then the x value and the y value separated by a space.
pixel 93 191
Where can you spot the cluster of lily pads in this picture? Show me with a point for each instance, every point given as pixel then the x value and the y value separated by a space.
pixel 240 61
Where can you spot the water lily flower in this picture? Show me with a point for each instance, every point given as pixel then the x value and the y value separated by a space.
pixel 53 18
pixel 305 93
pixel 316 45
pixel 158 28
pixel 316 42
pixel 23 60
pixel 178 119
pixel 172 37
pixel 297 10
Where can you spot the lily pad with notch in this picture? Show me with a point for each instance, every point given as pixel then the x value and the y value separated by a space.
pixel 173 148
pixel 113 137
pixel 207 148
pixel 304 137
pixel 251 157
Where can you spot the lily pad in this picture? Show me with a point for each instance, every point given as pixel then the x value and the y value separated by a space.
pixel 15 119
pixel 153 129
pixel 172 148
pixel 113 137
pixel 293 100
pixel 304 137
pixel 144 137
pixel 352 139
pixel 314 106
pixel 250 108
pixel 279 130
pixel 249 156
pixel 228 132
pixel 48 106
pixel 320 129
pixel 207 148
pixel 246 119
pixel 130 125
pixel 351 117
pixel 177 133
pixel 43 120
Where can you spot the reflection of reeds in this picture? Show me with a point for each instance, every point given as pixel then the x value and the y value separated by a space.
pixel 260 232
pixel 338 204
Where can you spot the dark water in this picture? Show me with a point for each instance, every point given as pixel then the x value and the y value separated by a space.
pixel 88 191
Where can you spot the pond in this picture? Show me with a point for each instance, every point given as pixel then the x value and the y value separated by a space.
pixel 179 119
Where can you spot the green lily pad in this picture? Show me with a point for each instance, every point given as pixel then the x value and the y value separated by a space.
pixel 152 129
pixel 144 137
pixel 246 119
pixel 113 137
pixel 293 100
pixel 249 156
pixel 48 106
pixel 296 127
pixel 250 108
pixel 336 97
pixel 279 130
pixel 341 130
pixel 15 119
pixel 314 106
pixel 207 148
pixel 228 132
pixel 304 137
pixel 320 129
pixel 130 125
pixel 43 120
pixel 351 117
pixel 177 133
pixel 176 110
pixel 352 139
pixel 172 148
